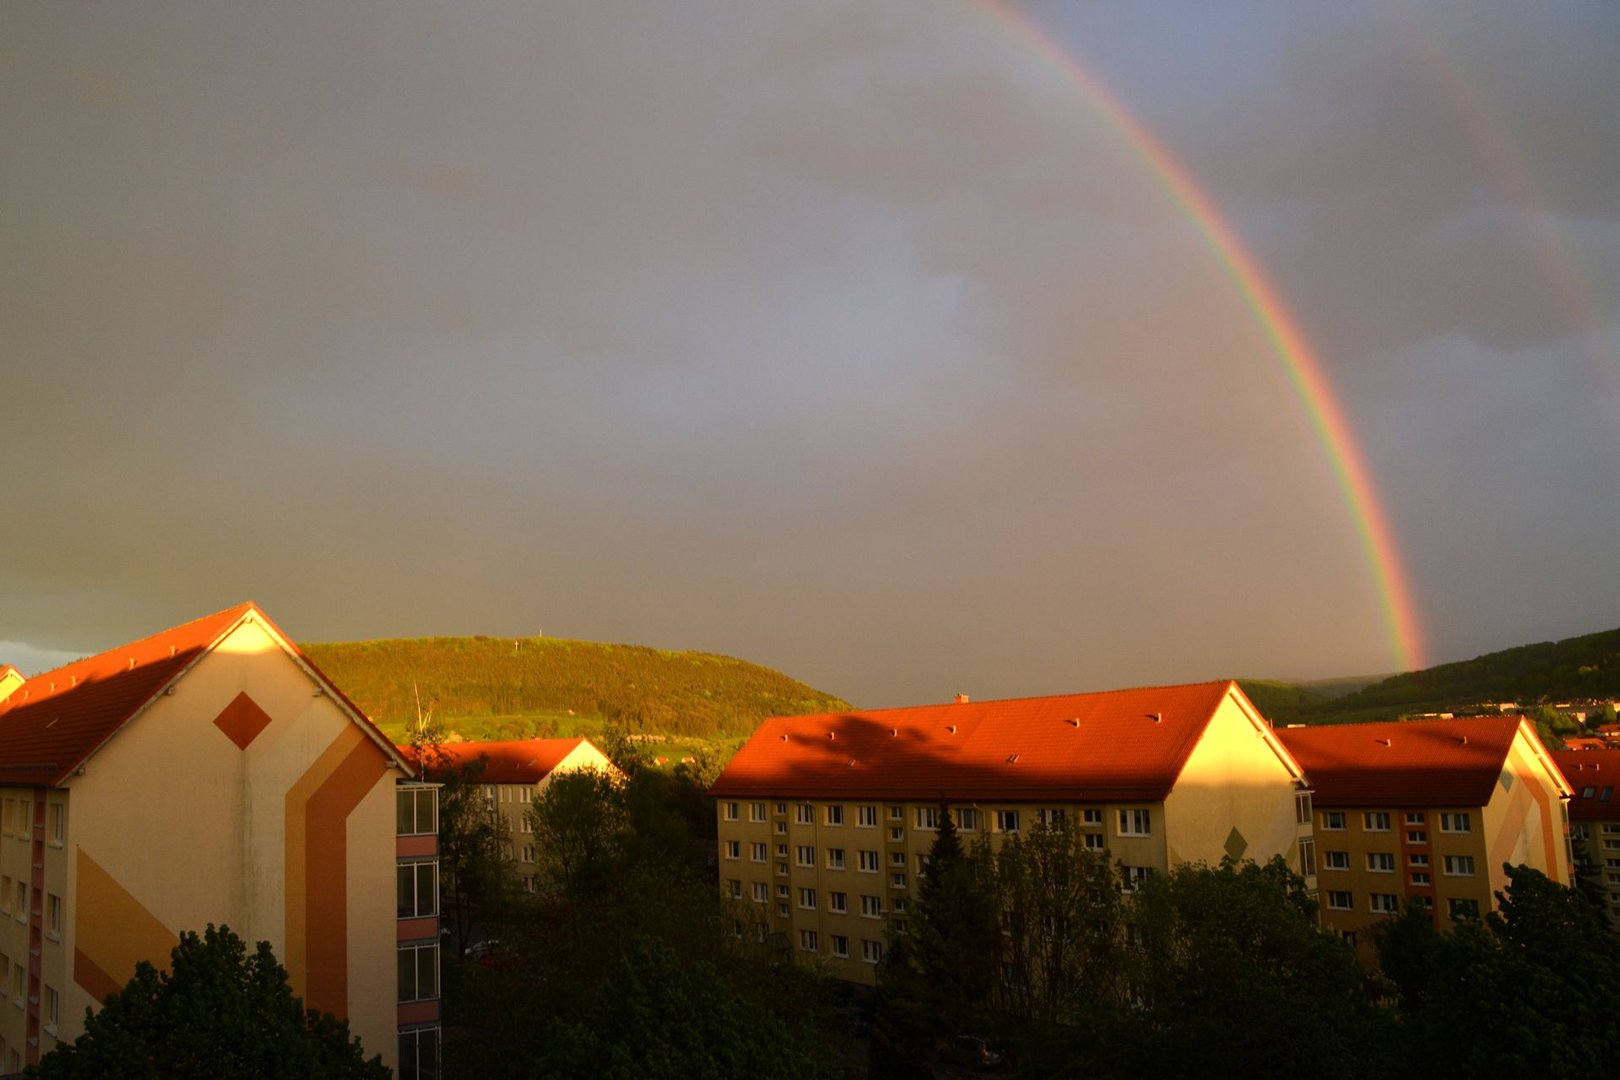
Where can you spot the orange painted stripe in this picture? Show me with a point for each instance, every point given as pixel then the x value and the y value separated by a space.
pixel 295 804
pixel 112 931
pixel 326 867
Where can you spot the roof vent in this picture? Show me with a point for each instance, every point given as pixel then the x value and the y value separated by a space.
pixel 961 699
pixel 132 663
pixel 53 688
pixel 172 650
pixel 852 763
pixel 784 738
pixel 894 732
pixel 832 734
pixel 1011 758
pixel 1158 718
pixel 951 728
pixel 1075 722
pixel 75 681
pixel 1384 742
pixel 1463 739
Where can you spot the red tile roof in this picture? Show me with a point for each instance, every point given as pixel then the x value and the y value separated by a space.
pixel 1594 771
pixel 51 724
pixel 1421 763
pixel 1122 745
pixel 519 761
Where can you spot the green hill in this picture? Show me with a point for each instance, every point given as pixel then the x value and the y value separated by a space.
pixel 1578 668
pixel 510 688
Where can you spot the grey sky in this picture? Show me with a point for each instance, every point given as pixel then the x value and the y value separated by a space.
pixel 850 338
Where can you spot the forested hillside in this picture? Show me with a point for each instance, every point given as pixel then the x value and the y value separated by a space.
pixel 1574 669
pixel 506 688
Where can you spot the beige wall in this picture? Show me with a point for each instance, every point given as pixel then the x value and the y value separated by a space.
pixel 194 829
pixel 512 801
pixel 1239 778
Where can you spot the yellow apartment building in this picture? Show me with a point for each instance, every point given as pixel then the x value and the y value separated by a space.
pixel 1428 811
pixel 513 775
pixel 209 774
pixel 825 821
pixel 1594 818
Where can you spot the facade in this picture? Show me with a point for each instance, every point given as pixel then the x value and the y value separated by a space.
pixel 825 821
pixel 1428 812
pixel 1594 819
pixel 207 774
pixel 512 776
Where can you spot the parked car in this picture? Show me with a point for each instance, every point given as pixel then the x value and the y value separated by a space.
pixel 975 1051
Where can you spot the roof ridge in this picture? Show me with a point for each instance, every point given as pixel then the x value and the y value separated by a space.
pixel 1009 701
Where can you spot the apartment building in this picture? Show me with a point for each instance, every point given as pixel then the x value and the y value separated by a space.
pixel 208 774
pixel 825 821
pixel 512 775
pixel 1594 819
pixel 1428 811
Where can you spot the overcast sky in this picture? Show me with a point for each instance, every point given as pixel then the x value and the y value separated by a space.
pixel 856 339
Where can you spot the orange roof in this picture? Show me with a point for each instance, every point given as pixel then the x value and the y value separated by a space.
pixel 1593 775
pixel 1426 763
pixel 51 724
pixel 520 761
pixel 1122 745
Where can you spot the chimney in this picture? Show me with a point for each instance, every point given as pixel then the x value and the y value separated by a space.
pixel 961 699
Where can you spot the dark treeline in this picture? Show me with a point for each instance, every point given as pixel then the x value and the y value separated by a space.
pixel 1209 971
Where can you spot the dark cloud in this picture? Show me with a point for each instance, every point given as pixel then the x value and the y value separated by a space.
pixel 852 338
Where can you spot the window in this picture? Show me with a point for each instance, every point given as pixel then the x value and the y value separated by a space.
pixel 1380 862
pixel 1340 901
pixel 835 815
pixel 1053 817
pixel 1333 820
pixel 5 896
pixel 804 814
pixel 756 851
pixel 1421 879
pixel 416 809
pixel 525 794
pixel 733 849
pixel 782 909
pixel 58 828
pixel 1307 857
pixel 781 809
pixel 1384 903
pixel 1460 865
pixel 1424 902
pixel 871 951
pixel 835 858
pixel 52 1008
pixel 927 817
pixel 1135 823
pixel 898 904
pixel 734 889
pixel 732 811
pixel 1414 818
pixel 1463 909
pixel 1302 808
pixel 840 946
pixel 1417 858
pixel 756 811
pixel 897 813
pixel 807 899
pixel 1417 836
pixel 1094 841
pixel 1006 821
pixel 807 940
pixel 898 858
pixel 1375 821
pixel 807 855
pixel 872 907
pixel 869 862
pixel 418 889
pixel 782 892
pixel 22 901
pixel 897 881
pixel 1456 823
pixel 967 819
pixel 1134 876
pixel 19 977
pixel 762 892
pixel 866 817
pixel 838 902
pixel 418 972
pixel 5 965
pixel 1336 860
pixel 781 851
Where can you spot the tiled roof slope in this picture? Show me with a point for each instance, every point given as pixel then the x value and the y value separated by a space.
pixel 1597 770
pixel 1124 745
pixel 519 761
pixel 52 723
pixel 1426 763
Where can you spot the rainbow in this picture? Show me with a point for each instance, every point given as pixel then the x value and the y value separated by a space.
pixel 1304 368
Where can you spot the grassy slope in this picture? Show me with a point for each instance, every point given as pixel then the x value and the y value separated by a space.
pixel 506 688
pixel 1573 669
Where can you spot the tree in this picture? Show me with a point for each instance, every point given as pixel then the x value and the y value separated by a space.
pixel 216 1012
pixel 474 870
pixel 581 828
